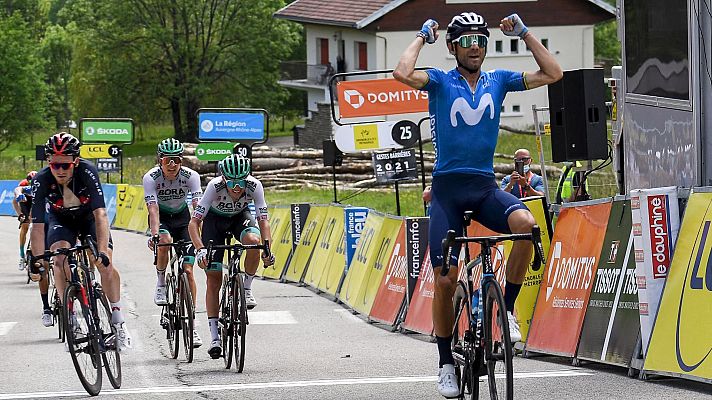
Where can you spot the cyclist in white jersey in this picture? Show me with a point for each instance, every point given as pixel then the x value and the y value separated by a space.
pixel 223 213
pixel 166 188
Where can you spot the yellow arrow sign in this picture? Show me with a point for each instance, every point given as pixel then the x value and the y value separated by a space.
pixel 94 151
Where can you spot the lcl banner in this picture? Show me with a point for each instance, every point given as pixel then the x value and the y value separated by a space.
pixel 568 278
pixel 611 326
pixel 377 97
pixel 681 342
pixel 656 222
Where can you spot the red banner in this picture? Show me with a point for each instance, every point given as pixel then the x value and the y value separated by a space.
pixel 420 312
pixel 376 97
pixel 391 293
pixel 568 279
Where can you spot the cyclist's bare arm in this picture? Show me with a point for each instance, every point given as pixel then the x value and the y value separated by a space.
pixel 265 231
pixel 549 69
pixel 194 232
pixel 37 238
pixel 102 230
pixel 405 71
pixel 153 219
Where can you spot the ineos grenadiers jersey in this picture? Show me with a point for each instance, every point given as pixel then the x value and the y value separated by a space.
pixel 171 194
pixel 77 200
pixel 465 125
pixel 216 199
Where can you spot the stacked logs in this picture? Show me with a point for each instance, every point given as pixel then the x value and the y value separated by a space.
pixel 298 168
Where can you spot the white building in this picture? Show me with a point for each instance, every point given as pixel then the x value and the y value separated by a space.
pixel 371 35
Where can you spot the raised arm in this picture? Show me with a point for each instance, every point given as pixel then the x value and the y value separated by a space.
pixel 549 69
pixel 405 70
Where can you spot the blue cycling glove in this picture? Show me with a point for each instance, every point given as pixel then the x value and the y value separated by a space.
pixel 519 28
pixel 427 32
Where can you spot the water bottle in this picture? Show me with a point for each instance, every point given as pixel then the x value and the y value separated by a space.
pixel 476 306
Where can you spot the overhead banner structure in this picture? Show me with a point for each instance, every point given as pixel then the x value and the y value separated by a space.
pixel 681 342
pixel 391 292
pixel 416 239
pixel 281 246
pixel 354 222
pixel 378 97
pixel 611 325
pixel 568 278
pixel 124 206
pixel 420 310
pixel 331 234
pixel 376 266
pixel 365 251
pixel 307 241
pixel 656 222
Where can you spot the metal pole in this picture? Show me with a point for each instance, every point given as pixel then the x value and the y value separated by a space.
pixel 333 174
pixel 422 170
pixel 541 149
pixel 121 160
pixel 398 211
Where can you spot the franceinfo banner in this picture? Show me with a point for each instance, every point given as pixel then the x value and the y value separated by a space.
pixel 299 214
pixel 656 222
pixel 611 325
pixel 416 238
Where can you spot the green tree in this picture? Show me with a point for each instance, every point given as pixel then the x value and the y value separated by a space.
pixel 22 88
pixel 607 47
pixel 187 54
pixel 56 50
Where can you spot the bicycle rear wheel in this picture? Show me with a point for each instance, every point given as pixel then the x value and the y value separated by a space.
pixel 82 339
pixel 186 317
pixel 498 346
pixel 169 317
pixel 239 318
pixel 226 325
pixel 108 345
pixel 463 345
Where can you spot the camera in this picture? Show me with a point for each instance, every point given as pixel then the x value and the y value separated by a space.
pixel 519 167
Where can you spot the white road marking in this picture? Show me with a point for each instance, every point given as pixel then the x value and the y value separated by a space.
pixel 348 315
pixel 5 327
pixel 271 318
pixel 274 385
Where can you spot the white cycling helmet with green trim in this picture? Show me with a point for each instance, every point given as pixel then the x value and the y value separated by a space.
pixel 170 147
pixel 234 167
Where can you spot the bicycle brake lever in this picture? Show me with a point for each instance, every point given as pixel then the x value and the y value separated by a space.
pixel 538 248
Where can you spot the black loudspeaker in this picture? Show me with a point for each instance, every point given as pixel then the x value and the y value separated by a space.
pixel 333 157
pixel 577 112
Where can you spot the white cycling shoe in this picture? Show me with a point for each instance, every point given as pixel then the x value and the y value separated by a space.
pixel 514 334
pixel 160 298
pixel 250 299
pixel 123 337
pixel 47 319
pixel 197 341
pixel 447 382
pixel 215 349
pixel 21 265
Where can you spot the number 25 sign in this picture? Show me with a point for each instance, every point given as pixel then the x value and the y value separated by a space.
pixel 376 136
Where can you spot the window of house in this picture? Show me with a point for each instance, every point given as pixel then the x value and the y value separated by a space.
pixel 545 42
pixel 502 110
pixel 514 46
pixel 516 108
pixel 361 55
pixel 498 46
pixel 322 51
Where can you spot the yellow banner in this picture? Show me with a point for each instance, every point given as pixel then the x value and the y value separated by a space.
pixel 326 245
pixel 281 228
pixel 94 151
pixel 681 342
pixel 124 212
pixel 312 227
pixel 365 251
pixel 139 219
pixel 376 265
pixel 335 266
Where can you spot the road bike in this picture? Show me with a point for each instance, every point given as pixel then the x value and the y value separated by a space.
pixel 90 335
pixel 233 320
pixel 481 343
pixel 179 312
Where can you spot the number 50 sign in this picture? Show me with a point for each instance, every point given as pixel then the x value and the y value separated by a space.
pixel 376 136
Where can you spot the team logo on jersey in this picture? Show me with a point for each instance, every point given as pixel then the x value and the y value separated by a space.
pixel 470 116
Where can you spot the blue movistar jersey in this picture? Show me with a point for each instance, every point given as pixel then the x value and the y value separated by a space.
pixel 464 124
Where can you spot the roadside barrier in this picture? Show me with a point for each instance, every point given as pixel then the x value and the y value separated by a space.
pixel 568 278
pixel 307 241
pixel 124 206
pixel 110 201
pixel 681 342
pixel 611 324
pixel 328 241
pixel 281 246
pixel 139 219
pixel 419 316
pixel 7 194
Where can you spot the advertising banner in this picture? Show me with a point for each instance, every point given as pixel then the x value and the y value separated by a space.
pixel 656 222
pixel 681 342
pixel 334 272
pixel 110 201
pixel 216 151
pixel 611 325
pixel 376 266
pixel 139 219
pixel 281 245
pixel 416 239
pixel 299 218
pixel 354 220
pixel 307 241
pixel 7 194
pixel 568 278
pixel 419 317
pixel 392 290
pixel 106 130
pixel 228 125
pixel 395 166
pixel 365 251
pixel 94 151
pixel 385 135
pixel 327 243
pixel 124 204
pixel 376 97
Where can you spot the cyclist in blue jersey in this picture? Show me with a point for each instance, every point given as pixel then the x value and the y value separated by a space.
pixel 464 106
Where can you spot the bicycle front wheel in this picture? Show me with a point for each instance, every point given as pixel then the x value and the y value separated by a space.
pixel 169 317
pixel 498 345
pixel 239 318
pixel 108 341
pixel 463 345
pixel 186 317
pixel 82 339
pixel 226 326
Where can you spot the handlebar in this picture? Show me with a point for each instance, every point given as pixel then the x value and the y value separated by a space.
pixel 264 247
pixel 489 241
pixel 178 245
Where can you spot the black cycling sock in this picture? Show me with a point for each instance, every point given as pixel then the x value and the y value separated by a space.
pixel 511 291
pixel 45 300
pixel 445 350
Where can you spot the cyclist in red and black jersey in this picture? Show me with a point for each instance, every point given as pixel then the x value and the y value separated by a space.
pixel 69 192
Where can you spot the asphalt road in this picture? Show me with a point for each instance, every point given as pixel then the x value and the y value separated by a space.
pixel 300 345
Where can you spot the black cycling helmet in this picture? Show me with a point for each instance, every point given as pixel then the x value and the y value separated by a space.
pixel 62 144
pixel 467 22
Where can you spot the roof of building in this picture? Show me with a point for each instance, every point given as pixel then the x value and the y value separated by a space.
pixel 358 13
